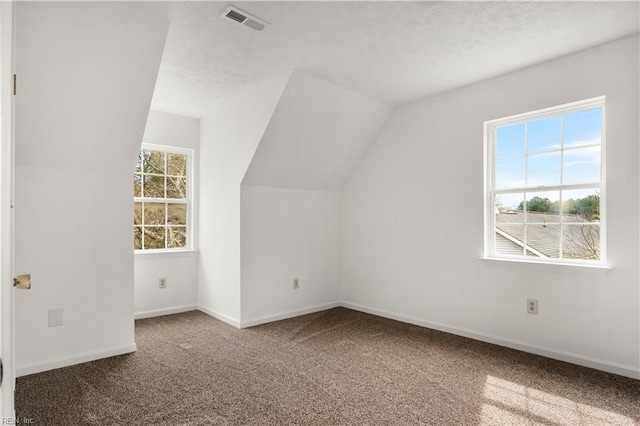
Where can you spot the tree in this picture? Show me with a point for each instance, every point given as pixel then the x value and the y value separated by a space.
pixel 538 204
pixel 583 241
pixel 587 208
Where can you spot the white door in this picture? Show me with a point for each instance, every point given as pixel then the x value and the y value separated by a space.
pixel 6 212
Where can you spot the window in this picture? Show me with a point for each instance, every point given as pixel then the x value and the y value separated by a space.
pixel 545 184
pixel 161 199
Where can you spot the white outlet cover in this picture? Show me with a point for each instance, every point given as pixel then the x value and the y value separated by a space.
pixel 55 317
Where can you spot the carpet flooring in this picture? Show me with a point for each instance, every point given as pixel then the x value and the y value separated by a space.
pixel 337 367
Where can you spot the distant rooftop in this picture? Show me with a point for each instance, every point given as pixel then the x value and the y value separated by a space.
pixel 580 240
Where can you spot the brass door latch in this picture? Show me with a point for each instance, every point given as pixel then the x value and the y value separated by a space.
pixel 22 281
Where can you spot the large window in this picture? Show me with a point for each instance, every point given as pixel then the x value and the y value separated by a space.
pixel 545 184
pixel 162 200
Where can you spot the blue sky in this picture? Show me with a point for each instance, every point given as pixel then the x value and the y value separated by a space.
pixel 575 133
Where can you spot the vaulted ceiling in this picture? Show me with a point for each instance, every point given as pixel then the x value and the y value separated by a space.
pixel 394 52
pixel 316 136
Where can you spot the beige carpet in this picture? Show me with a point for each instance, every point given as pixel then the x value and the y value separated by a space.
pixel 337 367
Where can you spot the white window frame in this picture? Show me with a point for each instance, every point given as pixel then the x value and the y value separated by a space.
pixel 490 176
pixel 189 201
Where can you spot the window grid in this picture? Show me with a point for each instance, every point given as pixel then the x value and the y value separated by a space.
pixel 528 189
pixel 145 203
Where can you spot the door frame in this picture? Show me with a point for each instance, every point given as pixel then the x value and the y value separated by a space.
pixel 7 409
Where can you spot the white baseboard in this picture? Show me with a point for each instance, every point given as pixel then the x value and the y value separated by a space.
pixel 288 314
pixel 75 359
pixel 598 364
pixel 610 367
pixel 165 311
pixel 219 315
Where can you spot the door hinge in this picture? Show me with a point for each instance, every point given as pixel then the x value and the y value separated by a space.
pixel 15 84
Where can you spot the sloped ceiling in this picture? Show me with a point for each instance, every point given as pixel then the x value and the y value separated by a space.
pixel 316 136
pixel 391 51
pixel 86 76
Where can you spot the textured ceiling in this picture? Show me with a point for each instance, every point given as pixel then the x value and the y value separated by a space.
pixel 391 51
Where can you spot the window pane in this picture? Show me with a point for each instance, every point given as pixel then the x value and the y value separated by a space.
pixel 510 203
pixel 581 165
pixel 510 172
pixel 153 162
pixel 510 140
pixel 154 237
pixel 176 187
pixel 509 239
pixel 161 176
pixel 581 205
pixel 543 239
pixel 176 164
pixel 177 214
pixel 177 236
pixel 581 241
pixel 137 186
pixel 153 187
pixel 543 207
pixel 547 218
pixel 543 134
pixel 154 213
pixel 583 128
pixel 137 213
pixel 137 237
pixel 543 169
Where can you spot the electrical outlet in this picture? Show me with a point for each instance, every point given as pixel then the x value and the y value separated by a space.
pixel 296 283
pixel 532 306
pixel 162 283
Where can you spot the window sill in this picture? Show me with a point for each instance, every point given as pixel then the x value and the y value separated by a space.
pixel 556 267
pixel 163 254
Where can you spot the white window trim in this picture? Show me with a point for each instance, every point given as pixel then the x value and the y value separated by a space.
pixel 190 248
pixel 489 178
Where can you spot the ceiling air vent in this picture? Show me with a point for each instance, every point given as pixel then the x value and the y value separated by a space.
pixel 241 17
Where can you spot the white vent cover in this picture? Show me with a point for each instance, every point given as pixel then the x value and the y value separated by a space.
pixel 241 17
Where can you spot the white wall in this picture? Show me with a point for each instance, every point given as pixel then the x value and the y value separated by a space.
pixel 180 269
pixel 412 220
pixel 288 234
pixel 317 135
pixel 86 73
pixel 228 142
pixel 291 199
pixel 181 293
